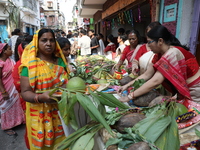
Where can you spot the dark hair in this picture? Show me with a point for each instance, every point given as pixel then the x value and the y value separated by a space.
pixel 137 34
pixel 28 39
pixel 19 40
pixel 91 30
pixel 24 43
pixel 4 48
pixel 69 31
pixel 62 32
pixel 121 30
pixel 44 30
pixel 153 24
pixel 62 41
pixel 127 32
pixel 16 31
pixel 101 35
pixel 12 33
pixel 162 32
pixel 111 38
pixel 83 31
pixel 123 37
pixel 75 34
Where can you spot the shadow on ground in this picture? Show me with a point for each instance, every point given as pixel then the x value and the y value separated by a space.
pixel 13 142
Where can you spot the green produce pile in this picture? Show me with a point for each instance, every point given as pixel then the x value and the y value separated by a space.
pixel 93 68
pixel 159 128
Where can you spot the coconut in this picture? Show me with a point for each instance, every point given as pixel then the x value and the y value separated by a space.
pixel 102 81
pixel 76 83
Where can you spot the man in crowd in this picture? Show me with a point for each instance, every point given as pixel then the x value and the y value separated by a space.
pixel 94 42
pixel 84 43
pixel 69 35
pixel 15 34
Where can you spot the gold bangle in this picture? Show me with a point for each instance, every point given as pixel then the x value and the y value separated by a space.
pixel 4 92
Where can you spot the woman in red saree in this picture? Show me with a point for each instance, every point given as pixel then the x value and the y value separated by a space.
pixel 110 49
pixel 143 55
pixel 173 66
pixel 134 39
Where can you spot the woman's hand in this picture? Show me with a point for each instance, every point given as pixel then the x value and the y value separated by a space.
pixel 45 98
pixel 122 88
pixel 124 99
pixel 5 96
pixel 135 69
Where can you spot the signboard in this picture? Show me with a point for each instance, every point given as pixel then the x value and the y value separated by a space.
pixel 42 18
pixel 170 13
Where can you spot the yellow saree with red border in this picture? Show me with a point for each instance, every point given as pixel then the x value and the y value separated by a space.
pixel 44 128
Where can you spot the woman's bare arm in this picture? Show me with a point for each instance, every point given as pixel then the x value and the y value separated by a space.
pixel 29 95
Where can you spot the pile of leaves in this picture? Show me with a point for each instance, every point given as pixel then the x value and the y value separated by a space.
pixel 92 68
pixel 159 129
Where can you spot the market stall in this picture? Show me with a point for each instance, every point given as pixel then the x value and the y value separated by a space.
pixel 94 118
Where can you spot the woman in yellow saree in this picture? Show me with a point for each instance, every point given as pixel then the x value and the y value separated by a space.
pixel 43 68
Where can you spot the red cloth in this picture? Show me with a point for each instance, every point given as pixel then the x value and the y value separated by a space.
pixel 175 65
pixel 127 54
pixel 141 51
pixel 110 48
pixel 20 50
pixel 16 76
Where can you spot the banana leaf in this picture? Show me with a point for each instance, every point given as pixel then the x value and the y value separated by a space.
pixel 169 139
pixel 66 108
pixel 86 142
pixel 157 128
pixel 92 111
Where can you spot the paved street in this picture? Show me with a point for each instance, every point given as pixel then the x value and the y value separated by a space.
pixel 13 142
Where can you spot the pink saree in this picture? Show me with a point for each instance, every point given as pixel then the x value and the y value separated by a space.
pixel 11 110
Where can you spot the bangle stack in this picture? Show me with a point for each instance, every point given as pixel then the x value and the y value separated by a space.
pixel 3 92
pixel 36 98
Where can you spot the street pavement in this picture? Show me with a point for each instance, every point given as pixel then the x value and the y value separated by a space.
pixel 13 142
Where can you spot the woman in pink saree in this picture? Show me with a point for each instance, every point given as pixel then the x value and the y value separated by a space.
pixel 134 39
pixel 10 108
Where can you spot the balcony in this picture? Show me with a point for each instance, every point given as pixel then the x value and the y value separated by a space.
pixel 31 4
pixel 28 11
pixel 89 7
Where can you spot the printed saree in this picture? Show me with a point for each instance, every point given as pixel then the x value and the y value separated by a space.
pixel 44 128
pixel 177 65
pixel 11 111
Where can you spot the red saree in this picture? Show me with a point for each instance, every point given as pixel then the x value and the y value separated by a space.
pixel 177 65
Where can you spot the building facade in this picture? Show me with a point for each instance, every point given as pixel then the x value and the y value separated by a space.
pixel 181 17
pixel 51 15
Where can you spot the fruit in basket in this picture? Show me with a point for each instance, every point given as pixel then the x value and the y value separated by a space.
pixel 76 83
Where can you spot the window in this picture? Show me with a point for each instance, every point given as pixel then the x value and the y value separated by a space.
pixel 50 4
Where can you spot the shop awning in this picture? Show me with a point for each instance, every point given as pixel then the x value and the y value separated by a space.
pixel 89 7
pixel 119 5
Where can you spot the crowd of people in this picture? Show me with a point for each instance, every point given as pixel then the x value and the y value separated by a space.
pixel 35 64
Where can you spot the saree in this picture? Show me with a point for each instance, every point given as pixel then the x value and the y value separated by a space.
pixel 44 127
pixel 16 76
pixel 177 65
pixel 11 110
pixel 127 54
pixel 110 51
pixel 141 57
